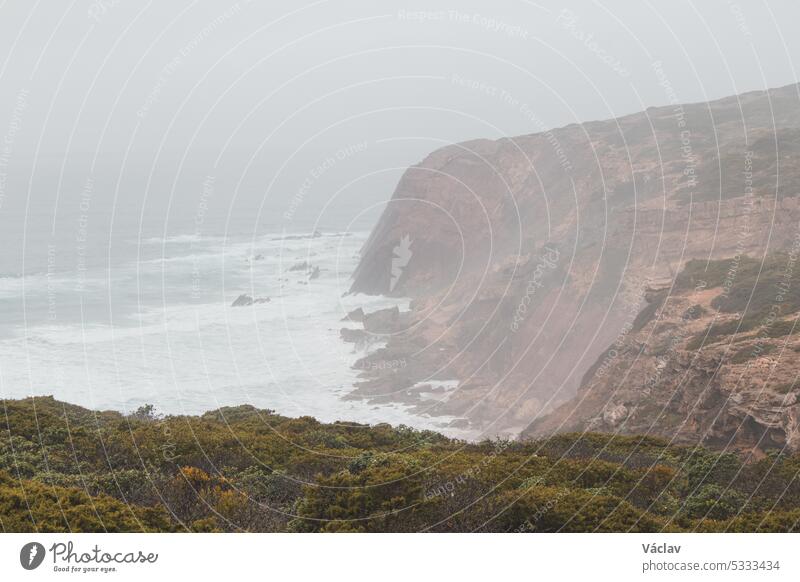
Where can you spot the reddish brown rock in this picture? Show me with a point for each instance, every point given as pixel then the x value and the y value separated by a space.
pixel 521 254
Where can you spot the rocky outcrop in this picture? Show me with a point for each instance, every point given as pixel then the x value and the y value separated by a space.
pixel 522 255
pixel 355 315
pixel 698 371
pixel 376 326
pixel 245 300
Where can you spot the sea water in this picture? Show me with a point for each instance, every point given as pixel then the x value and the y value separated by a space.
pixel 151 322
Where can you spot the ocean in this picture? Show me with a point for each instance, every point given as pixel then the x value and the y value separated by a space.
pixel 133 320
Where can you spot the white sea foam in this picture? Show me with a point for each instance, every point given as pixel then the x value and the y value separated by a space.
pixel 149 336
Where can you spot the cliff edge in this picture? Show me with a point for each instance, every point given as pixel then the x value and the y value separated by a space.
pixel 527 257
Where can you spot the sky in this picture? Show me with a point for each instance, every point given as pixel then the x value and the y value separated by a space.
pixel 248 116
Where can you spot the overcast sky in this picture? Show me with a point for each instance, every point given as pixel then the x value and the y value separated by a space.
pixel 143 101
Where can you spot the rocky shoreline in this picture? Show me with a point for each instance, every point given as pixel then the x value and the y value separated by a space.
pixel 521 267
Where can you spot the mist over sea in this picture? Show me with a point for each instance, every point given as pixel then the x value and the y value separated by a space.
pixel 112 313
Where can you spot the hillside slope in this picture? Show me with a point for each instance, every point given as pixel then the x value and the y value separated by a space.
pixel 65 468
pixel 714 359
pixel 526 257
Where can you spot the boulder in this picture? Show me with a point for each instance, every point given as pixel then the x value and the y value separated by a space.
pixel 383 320
pixel 355 315
pixel 244 300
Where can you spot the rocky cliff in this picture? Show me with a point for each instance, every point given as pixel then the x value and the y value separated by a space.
pixel 712 360
pixel 527 257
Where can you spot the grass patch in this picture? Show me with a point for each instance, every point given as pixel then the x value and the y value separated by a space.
pixel 751 352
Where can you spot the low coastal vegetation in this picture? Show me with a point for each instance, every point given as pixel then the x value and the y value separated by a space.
pixel 66 468
pixel 758 292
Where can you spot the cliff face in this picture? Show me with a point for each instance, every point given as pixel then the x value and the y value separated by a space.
pixel 526 257
pixel 712 360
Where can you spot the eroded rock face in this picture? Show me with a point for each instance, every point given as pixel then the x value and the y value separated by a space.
pixel 675 379
pixel 522 255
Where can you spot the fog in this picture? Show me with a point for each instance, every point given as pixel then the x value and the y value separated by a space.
pixel 442 266
pixel 306 113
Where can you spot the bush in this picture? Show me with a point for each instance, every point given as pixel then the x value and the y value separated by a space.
pixel 65 468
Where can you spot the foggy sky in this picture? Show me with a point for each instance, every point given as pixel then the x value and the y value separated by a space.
pixel 306 113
